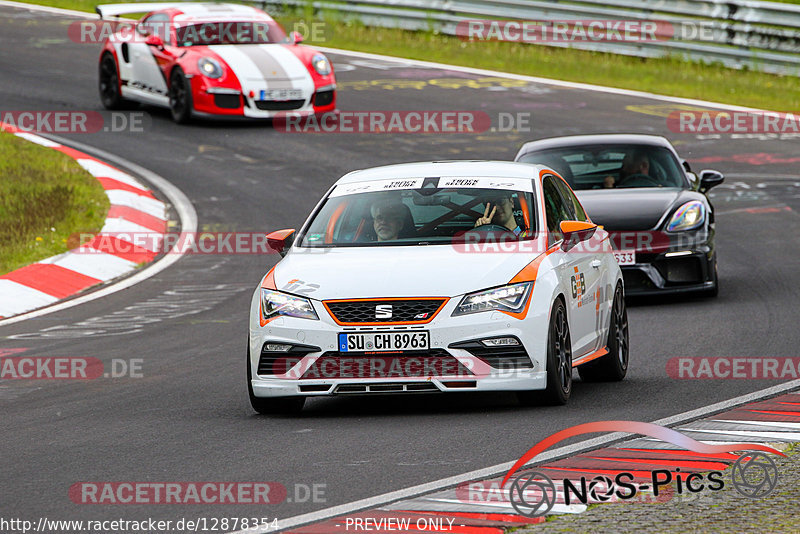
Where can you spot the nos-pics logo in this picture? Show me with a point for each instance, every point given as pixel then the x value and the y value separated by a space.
pixel 532 493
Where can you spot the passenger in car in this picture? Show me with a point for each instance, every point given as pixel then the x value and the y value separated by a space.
pixel 391 220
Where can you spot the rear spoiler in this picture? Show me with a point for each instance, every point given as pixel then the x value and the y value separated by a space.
pixel 115 10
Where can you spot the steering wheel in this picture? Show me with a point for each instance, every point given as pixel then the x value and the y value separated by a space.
pixel 491 227
pixel 626 182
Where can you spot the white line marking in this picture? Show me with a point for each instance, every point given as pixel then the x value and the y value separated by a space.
pixel 52 10
pixel 536 79
pixel 179 201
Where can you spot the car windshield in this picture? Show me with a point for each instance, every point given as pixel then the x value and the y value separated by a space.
pixel 221 33
pixel 404 212
pixel 612 166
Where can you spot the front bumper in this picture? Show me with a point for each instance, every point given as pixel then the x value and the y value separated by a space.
pixel 211 101
pixel 317 368
pixel 677 269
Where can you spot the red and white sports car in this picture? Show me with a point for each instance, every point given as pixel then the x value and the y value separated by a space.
pixel 211 59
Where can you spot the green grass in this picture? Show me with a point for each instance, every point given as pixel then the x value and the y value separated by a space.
pixel 669 76
pixel 46 200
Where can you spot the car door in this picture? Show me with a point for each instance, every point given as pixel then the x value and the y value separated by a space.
pixel 147 75
pixel 594 305
pixel 575 268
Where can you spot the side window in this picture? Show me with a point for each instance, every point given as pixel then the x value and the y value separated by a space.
pixel 555 209
pixel 572 201
pixel 157 24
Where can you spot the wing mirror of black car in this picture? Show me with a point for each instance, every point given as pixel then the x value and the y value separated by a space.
pixel 576 231
pixel 710 178
pixel 296 37
pixel 281 240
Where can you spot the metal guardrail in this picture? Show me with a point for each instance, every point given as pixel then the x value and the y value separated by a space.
pixel 737 33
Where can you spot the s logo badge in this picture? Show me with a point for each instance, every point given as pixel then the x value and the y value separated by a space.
pixel 383 311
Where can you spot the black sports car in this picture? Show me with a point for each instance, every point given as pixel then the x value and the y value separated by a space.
pixel 647 197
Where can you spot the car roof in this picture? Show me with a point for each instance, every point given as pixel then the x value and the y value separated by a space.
pixel 189 8
pixel 189 12
pixel 595 139
pixel 438 169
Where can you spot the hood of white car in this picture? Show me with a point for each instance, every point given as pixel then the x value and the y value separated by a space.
pixel 395 271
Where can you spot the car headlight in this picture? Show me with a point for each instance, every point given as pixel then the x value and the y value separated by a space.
pixel 687 217
pixel 276 303
pixel 511 298
pixel 210 67
pixel 321 64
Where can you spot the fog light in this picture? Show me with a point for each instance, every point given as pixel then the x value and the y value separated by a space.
pixel 277 347
pixel 500 342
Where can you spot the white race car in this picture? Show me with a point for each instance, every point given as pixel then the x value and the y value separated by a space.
pixel 444 276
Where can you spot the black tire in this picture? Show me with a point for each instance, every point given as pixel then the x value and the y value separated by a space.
pixel 108 84
pixel 272 405
pixel 559 362
pixel 613 366
pixel 180 96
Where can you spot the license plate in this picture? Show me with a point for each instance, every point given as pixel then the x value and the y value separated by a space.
pixel 281 94
pixel 625 257
pixel 384 341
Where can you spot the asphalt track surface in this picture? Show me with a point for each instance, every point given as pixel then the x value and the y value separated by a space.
pixel 188 418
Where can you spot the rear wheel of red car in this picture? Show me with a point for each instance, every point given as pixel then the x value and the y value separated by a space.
pixel 559 362
pixel 271 405
pixel 109 84
pixel 613 366
pixel 180 96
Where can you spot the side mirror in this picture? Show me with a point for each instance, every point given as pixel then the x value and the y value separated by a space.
pixel 576 231
pixel 281 240
pixel 295 37
pixel 154 40
pixel 709 179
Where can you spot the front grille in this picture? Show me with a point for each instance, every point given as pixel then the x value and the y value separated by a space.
pixel 279 105
pixel 408 364
pixel 323 98
pixel 385 387
pixel 684 270
pixel 227 101
pixel 636 279
pixel 279 362
pixel 504 357
pixel 357 312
